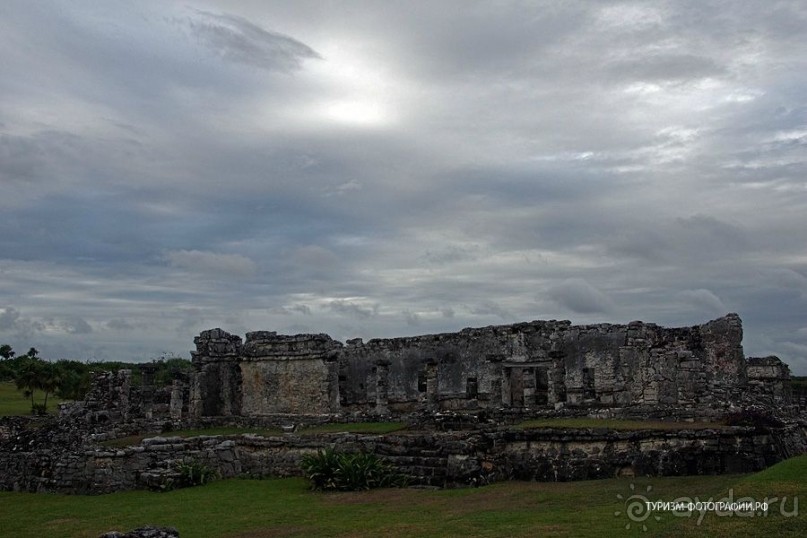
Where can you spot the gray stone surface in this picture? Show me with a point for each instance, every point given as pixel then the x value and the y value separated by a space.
pixel 461 393
pixel 538 365
pixel 430 458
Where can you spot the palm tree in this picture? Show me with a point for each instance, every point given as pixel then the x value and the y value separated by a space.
pixel 50 380
pixel 29 378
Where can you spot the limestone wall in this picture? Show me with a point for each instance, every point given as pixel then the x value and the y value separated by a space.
pixel 769 382
pixel 216 384
pixel 428 458
pixel 527 366
pixel 543 364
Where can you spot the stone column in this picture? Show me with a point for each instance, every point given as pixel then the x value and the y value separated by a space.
pixel 431 384
pixel 496 373
pixel 557 376
pixel 382 387
pixel 147 388
pixel 528 382
pixel 332 363
pixel 175 407
pixel 125 388
pixel 195 397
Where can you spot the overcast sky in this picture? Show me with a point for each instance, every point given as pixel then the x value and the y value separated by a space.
pixel 378 169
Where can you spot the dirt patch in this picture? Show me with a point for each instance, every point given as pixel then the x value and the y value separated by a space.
pixel 59 522
pixel 452 502
pixel 376 496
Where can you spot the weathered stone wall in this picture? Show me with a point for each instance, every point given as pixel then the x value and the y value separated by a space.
pixel 289 374
pixel 428 458
pixel 769 381
pixel 479 379
pixel 527 366
pixel 216 384
pixel 269 373
pixel 552 364
pixel 114 407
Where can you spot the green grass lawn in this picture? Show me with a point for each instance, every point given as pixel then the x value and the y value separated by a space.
pixel 616 424
pixel 12 401
pixel 355 427
pixel 389 427
pixel 285 507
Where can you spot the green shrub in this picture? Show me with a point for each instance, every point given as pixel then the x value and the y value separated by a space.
pixel 162 484
pixel 343 471
pixel 320 468
pixel 195 473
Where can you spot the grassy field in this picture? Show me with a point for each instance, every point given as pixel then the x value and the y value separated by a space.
pixel 12 401
pixel 356 427
pixel 264 508
pixel 616 424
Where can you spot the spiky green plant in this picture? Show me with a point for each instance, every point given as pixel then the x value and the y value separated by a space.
pixel 344 471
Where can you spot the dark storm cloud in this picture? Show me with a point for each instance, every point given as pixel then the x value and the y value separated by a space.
pixel 666 68
pixel 300 309
pixel 412 318
pixel 119 325
pixel 71 325
pixel 380 170
pixel 490 308
pixel 449 254
pixel 236 39
pixel 705 301
pixel 351 308
pixel 11 321
pixel 232 265
pixel 21 158
pixel 581 297
pixel 697 237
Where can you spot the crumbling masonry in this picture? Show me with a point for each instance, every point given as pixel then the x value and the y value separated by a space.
pixel 462 396
pixel 697 371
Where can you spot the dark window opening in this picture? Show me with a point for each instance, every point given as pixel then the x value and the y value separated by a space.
pixel 422 382
pixel 588 384
pixel 471 388
pixel 560 390
pixel 541 386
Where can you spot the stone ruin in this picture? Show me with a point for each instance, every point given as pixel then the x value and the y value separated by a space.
pixel 537 367
pixel 461 394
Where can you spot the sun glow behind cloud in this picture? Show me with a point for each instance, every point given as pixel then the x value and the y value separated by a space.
pixel 356 112
pixel 310 168
pixel 355 91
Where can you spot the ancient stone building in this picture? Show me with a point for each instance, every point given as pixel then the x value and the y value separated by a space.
pixel 540 365
pixel 462 396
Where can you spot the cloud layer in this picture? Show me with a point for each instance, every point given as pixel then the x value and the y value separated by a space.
pixel 369 169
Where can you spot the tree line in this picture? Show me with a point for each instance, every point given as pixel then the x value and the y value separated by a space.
pixel 70 379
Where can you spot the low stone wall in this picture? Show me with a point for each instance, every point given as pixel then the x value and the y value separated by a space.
pixel 442 459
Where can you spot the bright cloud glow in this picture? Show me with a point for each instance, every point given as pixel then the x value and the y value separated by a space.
pixel 384 169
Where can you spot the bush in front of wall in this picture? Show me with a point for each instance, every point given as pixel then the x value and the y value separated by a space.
pixel 345 471
pixel 195 473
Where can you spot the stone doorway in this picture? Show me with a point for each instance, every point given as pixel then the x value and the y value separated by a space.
pixel 516 379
